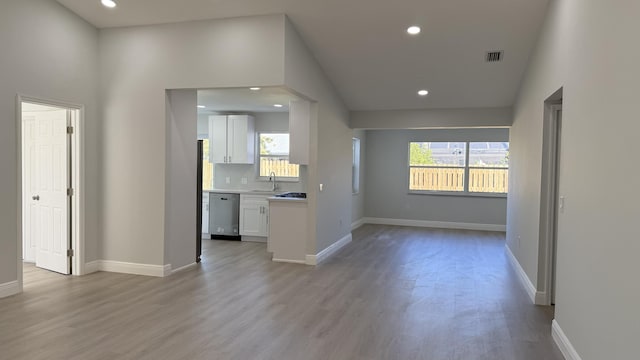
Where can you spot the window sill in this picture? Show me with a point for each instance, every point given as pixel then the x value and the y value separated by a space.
pixel 458 193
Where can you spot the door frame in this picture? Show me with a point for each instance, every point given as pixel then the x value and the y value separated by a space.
pixel 77 229
pixel 548 205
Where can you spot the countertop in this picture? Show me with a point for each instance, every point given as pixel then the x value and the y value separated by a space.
pixel 258 192
pixel 242 191
pixel 287 199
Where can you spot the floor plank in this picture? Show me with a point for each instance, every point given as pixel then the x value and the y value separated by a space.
pixel 393 293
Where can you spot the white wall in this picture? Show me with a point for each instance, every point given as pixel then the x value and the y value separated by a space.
pixel 50 53
pixel 330 146
pixel 180 207
pixel 590 49
pixel 137 65
pixel 432 118
pixel 387 195
pixel 357 200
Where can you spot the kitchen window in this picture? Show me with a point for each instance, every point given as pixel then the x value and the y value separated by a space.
pixel 274 157
pixel 459 167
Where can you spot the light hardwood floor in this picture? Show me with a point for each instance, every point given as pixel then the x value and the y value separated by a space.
pixel 393 293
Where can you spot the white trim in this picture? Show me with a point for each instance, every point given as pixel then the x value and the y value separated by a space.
pixel 77 230
pixel 436 224
pixel 568 351
pixel 289 261
pixel 9 288
pixel 328 252
pixel 183 268
pixel 356 224
pixel 92 267
pixel 542 298
pixel 522 275
pixel 548 196
pixel 78 199
pixel 134 268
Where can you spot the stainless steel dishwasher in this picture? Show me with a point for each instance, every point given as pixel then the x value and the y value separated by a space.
pixel 224 216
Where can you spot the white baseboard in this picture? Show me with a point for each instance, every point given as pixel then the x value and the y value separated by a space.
pixel 134 268
pixel 182 268
pixel 9 288
pixel 436 224
pixel 330 250
pixel 568 351
pixel 356 224
pixel 91 267
pixel 289 261
pixel 542 299
pixel 522 275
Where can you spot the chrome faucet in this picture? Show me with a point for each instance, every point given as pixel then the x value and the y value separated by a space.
pixel 272 178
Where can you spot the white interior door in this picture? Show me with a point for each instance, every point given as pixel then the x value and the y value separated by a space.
pixel 49 200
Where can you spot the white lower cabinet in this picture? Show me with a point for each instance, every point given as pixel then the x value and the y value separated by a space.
pixel 254 215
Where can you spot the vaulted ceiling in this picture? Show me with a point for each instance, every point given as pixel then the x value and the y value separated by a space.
pixel 363 46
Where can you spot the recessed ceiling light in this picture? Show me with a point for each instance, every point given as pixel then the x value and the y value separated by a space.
pixel 254 88
pixel 108 3
pixel 277 105
pixel 201 106
pixel 423 92
pixel 414 30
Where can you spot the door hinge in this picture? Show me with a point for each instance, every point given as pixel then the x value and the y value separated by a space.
pixel 70 252
pixel 69 129
pixel 70 192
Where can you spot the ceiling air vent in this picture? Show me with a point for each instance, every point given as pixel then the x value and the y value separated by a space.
pixel 494 56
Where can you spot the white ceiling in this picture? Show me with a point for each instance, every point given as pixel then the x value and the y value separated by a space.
pixel 244 100
pixel 363 47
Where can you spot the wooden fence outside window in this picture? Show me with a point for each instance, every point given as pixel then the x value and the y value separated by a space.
pixel 279 166
pixel 486 180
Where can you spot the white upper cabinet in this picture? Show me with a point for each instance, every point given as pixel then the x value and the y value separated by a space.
pixel 299 120
pixel 218 139
pixel 232 139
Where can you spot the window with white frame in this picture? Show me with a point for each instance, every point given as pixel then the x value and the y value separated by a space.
pixel 459 167
pixel 273 156
pixel 355 166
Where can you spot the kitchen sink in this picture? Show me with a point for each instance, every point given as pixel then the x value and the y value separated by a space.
pixel 297 195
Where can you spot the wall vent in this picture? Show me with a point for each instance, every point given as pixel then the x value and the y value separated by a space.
pixel 494 56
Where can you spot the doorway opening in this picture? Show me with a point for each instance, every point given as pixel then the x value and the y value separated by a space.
pixel 50 186
pixel 551 202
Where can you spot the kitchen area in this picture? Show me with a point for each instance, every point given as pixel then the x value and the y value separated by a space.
pixel 253 156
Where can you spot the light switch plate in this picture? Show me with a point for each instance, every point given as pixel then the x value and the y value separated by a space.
pixel 228 180
pixel 244 181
